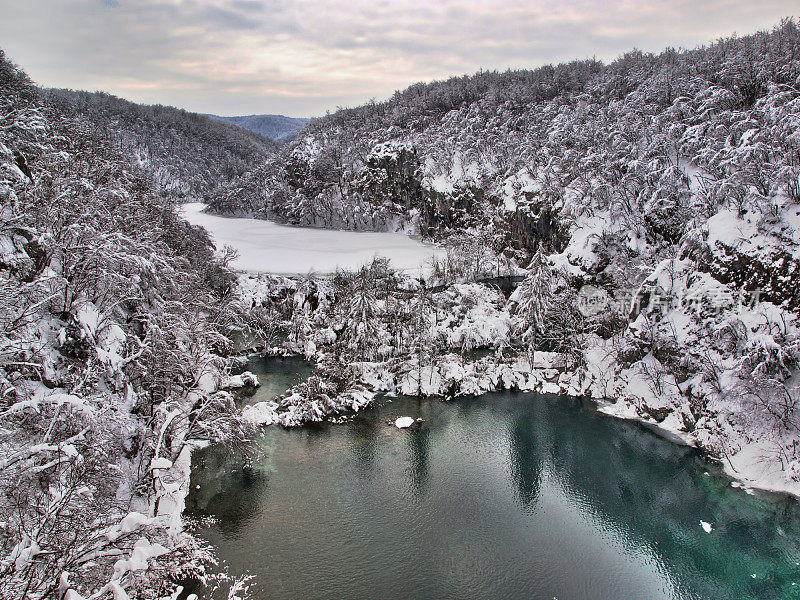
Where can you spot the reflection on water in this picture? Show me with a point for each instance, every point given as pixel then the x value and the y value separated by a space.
pixel 276 374
pixel 526 461
pixel 505 496
pixel 418 444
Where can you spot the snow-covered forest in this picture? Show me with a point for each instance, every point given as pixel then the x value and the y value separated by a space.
pixel 626 231
pixel 275 127
pixel 187 155
pixel 116 320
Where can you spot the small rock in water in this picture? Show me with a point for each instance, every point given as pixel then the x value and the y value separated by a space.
pixel 403 422
pixel 706 527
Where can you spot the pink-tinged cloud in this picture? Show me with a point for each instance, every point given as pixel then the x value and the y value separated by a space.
pixel 303 57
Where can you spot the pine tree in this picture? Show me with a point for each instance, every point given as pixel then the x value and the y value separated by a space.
pixel 421 308
pixel 534 298
pixel 362 326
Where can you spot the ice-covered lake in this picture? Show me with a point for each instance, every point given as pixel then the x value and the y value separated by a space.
pixel 266 247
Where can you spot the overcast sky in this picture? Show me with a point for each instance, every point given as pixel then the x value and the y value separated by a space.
pixel 304 57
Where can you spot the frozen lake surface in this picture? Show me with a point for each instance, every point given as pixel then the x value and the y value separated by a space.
pixel 266 247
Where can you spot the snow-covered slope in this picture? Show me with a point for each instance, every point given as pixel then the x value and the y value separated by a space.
pixel 114 315
pixel 669 184
pixel 188 155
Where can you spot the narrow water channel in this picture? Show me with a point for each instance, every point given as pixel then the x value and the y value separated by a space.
pixel 503 496
pixel 276 374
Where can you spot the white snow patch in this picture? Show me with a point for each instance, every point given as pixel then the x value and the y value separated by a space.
pixel 160 463
pixel 239 381
pixel 728 228
pixel 143 551
pixel 403 422
pixel 261 413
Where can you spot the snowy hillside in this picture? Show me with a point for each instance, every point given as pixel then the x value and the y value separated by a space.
pixel 627 232
pixel 664 189
pixel 115 323
pixel 188 156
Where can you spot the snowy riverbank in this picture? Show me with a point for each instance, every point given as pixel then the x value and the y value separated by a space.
pixel 684 361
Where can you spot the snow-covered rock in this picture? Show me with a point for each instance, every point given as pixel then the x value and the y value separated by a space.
pixel 403 422
pixel 246 379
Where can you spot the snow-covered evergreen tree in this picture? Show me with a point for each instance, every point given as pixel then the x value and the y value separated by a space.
pixel 534 297
pixel 361 331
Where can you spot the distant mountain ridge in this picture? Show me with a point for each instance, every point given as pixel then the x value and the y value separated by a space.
pixel 276 127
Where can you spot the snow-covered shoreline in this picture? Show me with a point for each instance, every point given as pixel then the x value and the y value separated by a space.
pixel 746 469
pixel 488 324
pixel 543 379
pixel 657 368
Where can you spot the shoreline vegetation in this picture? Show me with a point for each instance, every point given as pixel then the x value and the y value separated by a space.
pixel 116 323
pixel 467 350
pixel 652 206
